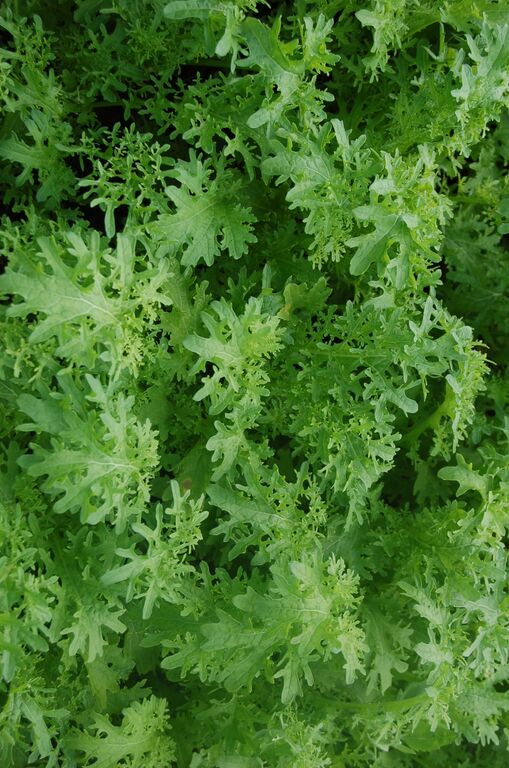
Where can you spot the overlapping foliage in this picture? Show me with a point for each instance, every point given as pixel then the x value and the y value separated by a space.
pixel 254 476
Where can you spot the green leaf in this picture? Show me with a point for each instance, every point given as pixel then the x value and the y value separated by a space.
pixel 142 738
pixel 466 477
pixel 372 247
pixel 267 53
pixel 192 9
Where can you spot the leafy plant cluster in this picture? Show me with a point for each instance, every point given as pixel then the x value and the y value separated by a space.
pixel 254 475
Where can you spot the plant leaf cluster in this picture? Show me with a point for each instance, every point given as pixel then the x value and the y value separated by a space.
pixel 254 385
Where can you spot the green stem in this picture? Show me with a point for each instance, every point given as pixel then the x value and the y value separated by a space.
pixel 430 421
